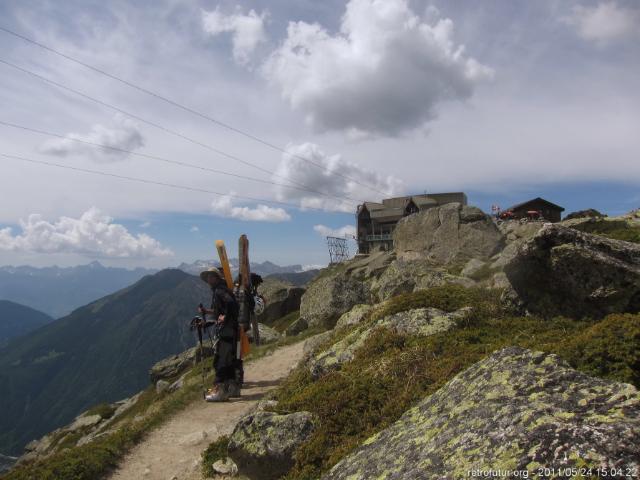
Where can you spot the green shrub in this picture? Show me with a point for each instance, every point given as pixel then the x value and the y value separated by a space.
pixel 283 323
pixel 215 451
pixel 390 372
pixel 615 229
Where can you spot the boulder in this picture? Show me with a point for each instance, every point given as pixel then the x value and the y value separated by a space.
pixel 516 411
pixel 311 345
pixel 173 366
pixel 296 328
pixel 225 467
pixel 562 271
pixel 446 235
pixel 332 294
pixel 423 321
pixel 262 443
pixel 267 334
pixel 354 316
pixel 339 353
pixel 162 386
pixel 281 298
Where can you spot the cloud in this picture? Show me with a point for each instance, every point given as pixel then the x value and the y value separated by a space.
pixel 92 234
pixel 384 73
pixel 605 22
pixel 223 207
pixel 327 180
pixel 346 231
pixel 194 229
pixel 122 135
pixel 247 31
pixel 146 224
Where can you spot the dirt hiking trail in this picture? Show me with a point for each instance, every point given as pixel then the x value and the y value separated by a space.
pixel 173 450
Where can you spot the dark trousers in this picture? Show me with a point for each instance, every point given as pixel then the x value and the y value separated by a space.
pixel 224 360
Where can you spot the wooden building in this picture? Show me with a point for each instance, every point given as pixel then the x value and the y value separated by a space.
pixel 377 221
pixel 550 211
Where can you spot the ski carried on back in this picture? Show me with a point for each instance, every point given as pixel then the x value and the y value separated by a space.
pixel 224 263
pixel 245 276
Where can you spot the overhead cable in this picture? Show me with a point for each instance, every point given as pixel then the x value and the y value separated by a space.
pixel 186 109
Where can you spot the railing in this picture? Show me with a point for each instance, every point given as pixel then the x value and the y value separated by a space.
pixel 379 238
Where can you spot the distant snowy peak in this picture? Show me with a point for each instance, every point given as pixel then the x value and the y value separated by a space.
pixel 264 268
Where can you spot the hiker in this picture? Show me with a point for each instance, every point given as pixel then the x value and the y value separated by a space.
pixel 224 311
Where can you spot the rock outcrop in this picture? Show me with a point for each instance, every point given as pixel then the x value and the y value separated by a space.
pixel 171 367
pixel 449 234
pixel 515 411
pixel 331 295
pixel 418 322
pixel 262 444
pixel 562 271
pixel 282 298
pixel 267 334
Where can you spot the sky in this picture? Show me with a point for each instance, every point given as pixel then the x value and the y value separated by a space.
pixel 283 116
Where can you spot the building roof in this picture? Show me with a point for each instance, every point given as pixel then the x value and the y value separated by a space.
pixel 537 199
pixel 393 208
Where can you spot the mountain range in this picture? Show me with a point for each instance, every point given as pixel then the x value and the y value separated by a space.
pixel 57 291
pixel 101 352
pixel 17 320
pixel 264 268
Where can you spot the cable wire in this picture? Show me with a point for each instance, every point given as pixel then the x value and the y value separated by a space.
pixel 154 157
pixel 185 108
pixel 153 182
pixel 158 126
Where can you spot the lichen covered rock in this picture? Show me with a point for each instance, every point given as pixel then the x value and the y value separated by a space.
pixel 516 410
pixel 171 367
pixel 418 322
pixel 354 316
pixel 562 271
pixel 262 444
pixel 267 334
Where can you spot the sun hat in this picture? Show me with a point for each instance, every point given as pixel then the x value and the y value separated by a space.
pixel 212 271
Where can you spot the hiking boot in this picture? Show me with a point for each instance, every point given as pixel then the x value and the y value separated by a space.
pixel 233 388
pixel 218 394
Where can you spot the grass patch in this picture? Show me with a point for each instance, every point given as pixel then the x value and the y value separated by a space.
pixel 615 229
pixel 215 451
pixel 390 372
pixel 283 323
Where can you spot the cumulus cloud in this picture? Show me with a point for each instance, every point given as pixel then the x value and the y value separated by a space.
pixel 92 234
pixel 224 207
pixel 329 180
pixel 123 134
pixel 605 22
pixel 385 72
pixel 347 231
pixel 247 31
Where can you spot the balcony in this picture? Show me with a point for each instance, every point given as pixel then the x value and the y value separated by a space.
pixel 380 238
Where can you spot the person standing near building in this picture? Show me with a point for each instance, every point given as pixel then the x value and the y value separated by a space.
pixel 224 311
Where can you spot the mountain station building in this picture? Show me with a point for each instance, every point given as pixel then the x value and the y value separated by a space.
pixel 550 211
pixel 377 221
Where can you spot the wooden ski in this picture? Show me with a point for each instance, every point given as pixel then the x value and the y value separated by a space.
pixel 224 262
pixel 245 275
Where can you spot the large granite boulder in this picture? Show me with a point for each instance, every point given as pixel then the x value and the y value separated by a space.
pixel 262 444
pixel 515 411
pixel 171 367
pixel 446 235
pixel 267 334
pixel 282 298
pixel 354 316
pixel 332 294
pixel 562 271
